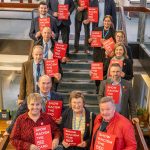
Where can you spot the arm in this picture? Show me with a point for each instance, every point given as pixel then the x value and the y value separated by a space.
pixel 50 11
pixel 101 90
pixel 32 30
pixel 71 7
pixel 113 13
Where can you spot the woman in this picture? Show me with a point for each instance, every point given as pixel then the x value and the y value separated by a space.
pixel 77 117
pixel 120 53
pixel 22 136
pixel 99 52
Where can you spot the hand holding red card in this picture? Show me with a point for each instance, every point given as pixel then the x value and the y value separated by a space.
pixel 51 67
pixel 114 92
pixel 63 12
pixel 60 50
pixel 97 71
pixel 73 137
pixel 104 141
pixel 93 14
pixel 44 22
pixel 43 137
pixel 54 109
pixel 96 38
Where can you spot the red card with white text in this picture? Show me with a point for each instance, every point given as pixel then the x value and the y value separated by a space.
pixel 43 137
pixel 104 141
pixel 51 67
pixel 73 137
pixel 54 108
pixel 114 92
pixel 60 50
pixel 96 36
pixel 96 71
pixel 93 14
pixel 63 12
pixel 120 62
pixel 44 22
pixel 109 45
pixel 84 3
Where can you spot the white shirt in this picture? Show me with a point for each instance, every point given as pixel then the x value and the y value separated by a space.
pixel 50 54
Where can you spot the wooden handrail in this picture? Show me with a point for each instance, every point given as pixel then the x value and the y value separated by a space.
pixel 4 142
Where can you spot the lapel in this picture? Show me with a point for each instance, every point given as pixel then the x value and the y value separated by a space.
pixel 31 72
pixel 38 23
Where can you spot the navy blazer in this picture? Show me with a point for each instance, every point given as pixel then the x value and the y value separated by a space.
pixel 23 108
pixel 53 7
pixel 35 27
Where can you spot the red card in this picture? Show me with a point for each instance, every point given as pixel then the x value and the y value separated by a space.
pixel 43 137
pixel 96 71
pixel 60 50
pixel 96 36
pixel 109 45
pixel 63 12
pixel 73 137
pixel 44 22
pixel 93 14
pixel 51 67
pixel 120 62
pixel 84 3
pixel 114 92
pixel 54 108
pixel 104 141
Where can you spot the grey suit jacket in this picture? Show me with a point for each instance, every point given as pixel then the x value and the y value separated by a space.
pixel 127 99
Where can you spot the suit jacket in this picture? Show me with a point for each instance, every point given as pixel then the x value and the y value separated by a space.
pixel 110 9
pixel 35 27
pixel 23 108
pixel 53 7
pixel 67 117
pixel 127 98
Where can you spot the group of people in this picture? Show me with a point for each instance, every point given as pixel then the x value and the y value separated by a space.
pixel 37 88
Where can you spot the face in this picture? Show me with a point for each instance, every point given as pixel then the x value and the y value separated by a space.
pixel 107 22
pixel 107 111
pixel 45 84
pixel 34 107
pixel 43 9
pixel 37 54
pixel 115 73
pixel 46 34
pixel 77 105
pixel 119 51
pixel 119 37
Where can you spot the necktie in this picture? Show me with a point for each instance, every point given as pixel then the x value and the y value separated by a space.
pixel 46 51
pixel 45 98
pixel 38 74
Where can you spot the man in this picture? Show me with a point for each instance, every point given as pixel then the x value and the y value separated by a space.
pixel 63 25
pixel 35 32
pixel 31 71
pixel 45 86
pixel 112 123
pixel 126 101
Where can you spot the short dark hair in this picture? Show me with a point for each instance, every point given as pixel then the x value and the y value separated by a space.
pixel 115 65
pixel 42 3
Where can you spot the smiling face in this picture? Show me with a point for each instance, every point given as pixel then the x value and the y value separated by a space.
pixel 107 23
pixel 46 34
pixel 37 54
pixel 119 52
pixel 43 9
pixel 77 105
pixel 115 73
pixel 119 37
pixel 107 110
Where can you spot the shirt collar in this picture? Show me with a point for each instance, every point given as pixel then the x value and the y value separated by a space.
pixel 48 95
pixel 114 83
pixel 41 62
pixel 43 16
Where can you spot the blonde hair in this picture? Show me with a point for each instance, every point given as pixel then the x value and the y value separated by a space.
pixel 36 97
pixel 120 31
pixel 76 94
pixel 47 28
pixel 37 46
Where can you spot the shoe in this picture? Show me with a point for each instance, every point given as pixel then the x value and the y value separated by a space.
pixel 68 59
pixel 87 51
pixel 75 51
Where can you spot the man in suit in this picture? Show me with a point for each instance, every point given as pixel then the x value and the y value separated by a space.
pixel 31 71
pixel 63 25
pixel 45 86
pixel 126 101
pixel 35 32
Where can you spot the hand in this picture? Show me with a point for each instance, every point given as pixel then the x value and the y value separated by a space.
pixel 82 144
pixel 38 34
pixel 135 120
pixel 65 144
pixel 58 121
pixel 55 14
pixel 57 76
pixel 90 40
pixel 55 143
pixel 34 147
pixel 90 73
pixel 86 21
pixel 64 59
pixel 80 8
pixel 19 102
pixel 53 35
pixel 5 133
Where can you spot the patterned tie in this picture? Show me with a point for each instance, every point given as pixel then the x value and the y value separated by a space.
pixel 46 51
pixel 44 101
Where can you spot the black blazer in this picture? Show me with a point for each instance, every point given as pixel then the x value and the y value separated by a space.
pixel 67 117
pixel 53 7
pixel 35 27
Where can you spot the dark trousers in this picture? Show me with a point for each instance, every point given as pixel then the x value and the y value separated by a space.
pixel 65 31
pixel 94 25
pixel 78 25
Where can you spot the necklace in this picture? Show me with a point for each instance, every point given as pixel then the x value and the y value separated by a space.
pixel 104 35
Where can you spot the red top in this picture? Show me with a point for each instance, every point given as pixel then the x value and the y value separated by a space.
pixel 22 135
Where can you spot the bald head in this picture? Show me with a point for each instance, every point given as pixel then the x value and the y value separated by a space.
pixel 46 34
